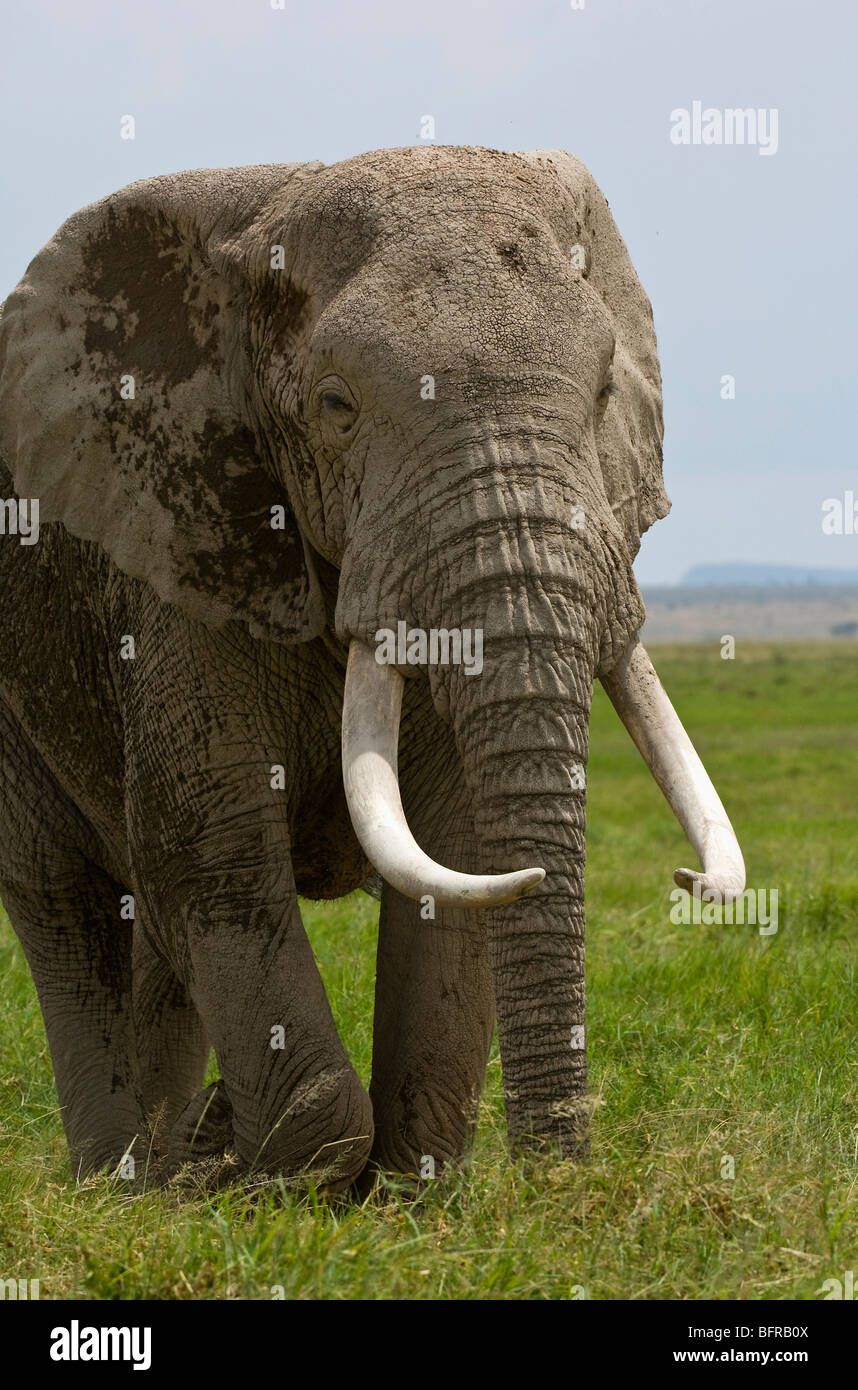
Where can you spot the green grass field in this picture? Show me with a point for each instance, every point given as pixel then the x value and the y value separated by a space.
pixel 706 1042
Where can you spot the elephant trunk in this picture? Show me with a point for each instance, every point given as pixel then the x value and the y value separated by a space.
pixel 523 734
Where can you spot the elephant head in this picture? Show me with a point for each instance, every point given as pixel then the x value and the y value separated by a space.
pixel 432 374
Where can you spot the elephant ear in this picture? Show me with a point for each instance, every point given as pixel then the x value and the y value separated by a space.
pixel 629 436
pixel 125 378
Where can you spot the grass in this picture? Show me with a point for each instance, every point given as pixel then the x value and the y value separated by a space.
pixel 706 1044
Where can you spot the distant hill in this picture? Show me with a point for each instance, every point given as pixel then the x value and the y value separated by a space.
pixel 766 576
pixel 777 612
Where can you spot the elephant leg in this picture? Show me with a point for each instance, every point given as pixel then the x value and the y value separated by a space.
pixel 79 954
pixel 171 1046
pixel 434 1015
pixel 434 1004
pixel 289 1101
pixel 65 910
pixel 211 852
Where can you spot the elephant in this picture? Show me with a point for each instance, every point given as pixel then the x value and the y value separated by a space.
pixel 273 417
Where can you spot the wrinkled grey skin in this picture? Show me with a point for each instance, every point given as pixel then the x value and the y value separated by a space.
pixel 300 387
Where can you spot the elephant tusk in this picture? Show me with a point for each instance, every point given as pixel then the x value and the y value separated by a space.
pixel 371 710
pixel 640 700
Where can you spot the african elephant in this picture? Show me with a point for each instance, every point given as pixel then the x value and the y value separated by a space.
pixel 271 416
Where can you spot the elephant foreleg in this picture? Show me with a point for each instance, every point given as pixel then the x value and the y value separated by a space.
pixel 434 1005
pixel 434 1015
pixel 290 1101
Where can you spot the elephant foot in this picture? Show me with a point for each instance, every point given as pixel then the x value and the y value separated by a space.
pixel 385 1183
pixel 203 1132
pixel 203 1143
pixel 120 1158
pixel 401 1169
pixel 321 1137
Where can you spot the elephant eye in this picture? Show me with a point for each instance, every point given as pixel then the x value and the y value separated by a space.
pixel 337 408
pixel 609 385
pixel 609 389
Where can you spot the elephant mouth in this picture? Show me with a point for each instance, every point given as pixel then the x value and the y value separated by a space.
pixel 370 733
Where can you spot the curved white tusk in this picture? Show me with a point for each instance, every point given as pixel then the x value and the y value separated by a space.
pixel 371 709
pixel 640 700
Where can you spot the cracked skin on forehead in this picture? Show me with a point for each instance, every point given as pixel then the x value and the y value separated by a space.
pixel 438 209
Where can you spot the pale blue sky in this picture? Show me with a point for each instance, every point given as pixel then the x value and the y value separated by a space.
pixel 749 260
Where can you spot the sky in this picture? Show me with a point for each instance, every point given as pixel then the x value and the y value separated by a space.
pixel 748 257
